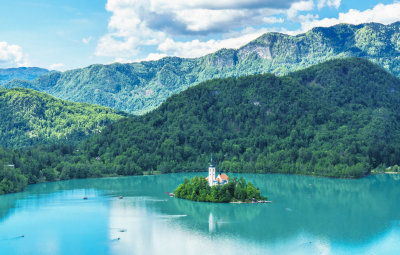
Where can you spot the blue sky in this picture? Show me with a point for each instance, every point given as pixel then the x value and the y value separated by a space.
pixel 67 34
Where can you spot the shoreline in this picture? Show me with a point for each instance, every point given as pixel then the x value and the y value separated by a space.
pixel 252 202
pixel 151 173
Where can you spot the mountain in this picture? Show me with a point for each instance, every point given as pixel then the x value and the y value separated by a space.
pixel 339 119
pixel 29 117
pixel 22 73
pixel 140 87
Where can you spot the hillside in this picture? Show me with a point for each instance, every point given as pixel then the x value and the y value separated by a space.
pixel 29 117
pixel 339 118
pixel 22 73
pixel 140 87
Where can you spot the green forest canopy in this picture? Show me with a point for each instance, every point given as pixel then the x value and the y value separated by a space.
pixel 140 87
pixel 339 119
pixel 198 189
pixel 29 118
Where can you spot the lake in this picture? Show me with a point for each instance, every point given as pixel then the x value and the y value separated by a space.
pixel 309 215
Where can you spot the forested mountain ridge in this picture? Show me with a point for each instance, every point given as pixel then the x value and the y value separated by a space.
pixel 30 117
pixel 340 118
pixel 140 87
pixel 22 73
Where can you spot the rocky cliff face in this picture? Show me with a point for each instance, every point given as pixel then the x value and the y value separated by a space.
pixel 140 87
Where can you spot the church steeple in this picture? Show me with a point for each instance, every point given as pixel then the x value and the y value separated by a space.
pixel 211 173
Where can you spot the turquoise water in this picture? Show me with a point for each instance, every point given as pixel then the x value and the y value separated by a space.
pixel 308 215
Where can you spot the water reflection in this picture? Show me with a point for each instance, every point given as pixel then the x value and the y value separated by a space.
pixel 149 232
pixel 308 216
pixel 211 223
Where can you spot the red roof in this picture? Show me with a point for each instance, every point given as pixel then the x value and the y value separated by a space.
pixel 221 177
pixel 224 177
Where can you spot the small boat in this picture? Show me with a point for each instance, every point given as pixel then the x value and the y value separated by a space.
pixel 121 197
pixel 264 201
pixel 84 198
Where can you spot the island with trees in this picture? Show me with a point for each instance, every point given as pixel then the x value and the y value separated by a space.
pixel 236 190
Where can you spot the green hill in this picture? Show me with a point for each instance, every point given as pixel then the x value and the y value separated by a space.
pixel 29 117
pixel 22 73
pixel 140 87
pixel 340 119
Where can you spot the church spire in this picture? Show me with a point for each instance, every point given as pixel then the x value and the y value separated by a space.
pixel 211 173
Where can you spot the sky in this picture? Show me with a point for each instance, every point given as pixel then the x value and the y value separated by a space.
pixel 68 34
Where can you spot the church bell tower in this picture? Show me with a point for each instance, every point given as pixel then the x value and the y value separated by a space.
pixel 211 173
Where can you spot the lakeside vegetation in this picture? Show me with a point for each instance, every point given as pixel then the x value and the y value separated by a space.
pixel 236 190
pixel 337 119
pixel 43 163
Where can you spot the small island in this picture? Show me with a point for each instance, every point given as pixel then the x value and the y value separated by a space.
pixel 219 189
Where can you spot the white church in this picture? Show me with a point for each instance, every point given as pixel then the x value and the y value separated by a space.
pixel 221 178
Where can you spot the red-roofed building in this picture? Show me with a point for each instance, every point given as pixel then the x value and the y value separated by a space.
pixel 221 178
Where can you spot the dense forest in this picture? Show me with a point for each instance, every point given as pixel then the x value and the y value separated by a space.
pixel 337 119
pixel 42 163
pixel 140 87
pixel 236 190
pixel 29 118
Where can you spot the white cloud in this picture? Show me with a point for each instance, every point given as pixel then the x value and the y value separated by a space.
pixel 385 14
pixel 128 29
pixel 136 24
pixel 122 60
pixel 171 25
pixel 203 19
pixel 222 4
pixel 328 3
pixel 152 56
pixel 87 40
pixel 57 66
pixel 11 55
pixel 272 20
pixel 196 48
pixel 307 5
